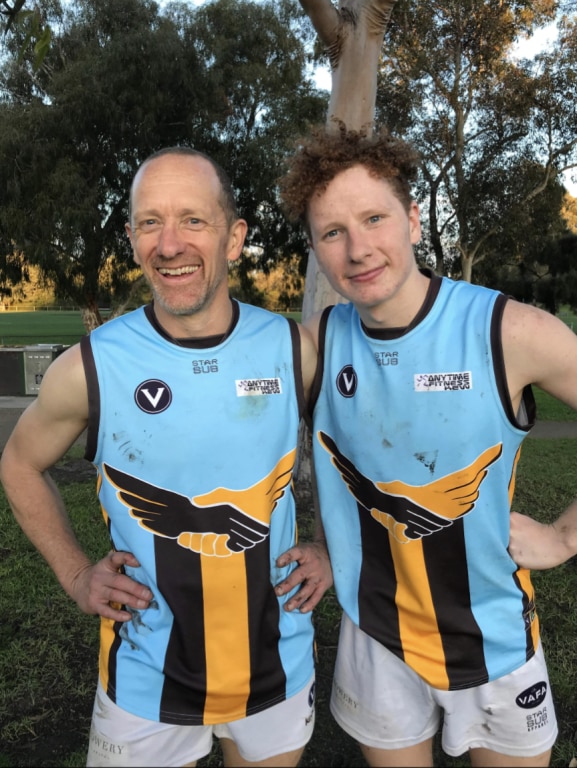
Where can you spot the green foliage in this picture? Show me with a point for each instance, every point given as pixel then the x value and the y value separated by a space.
pixel 122 79
pixel 493 131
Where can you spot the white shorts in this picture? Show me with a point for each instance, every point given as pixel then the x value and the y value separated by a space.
pixel 382 703
pixel 118 738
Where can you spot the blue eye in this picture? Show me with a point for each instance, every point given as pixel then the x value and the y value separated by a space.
pixel 193 223
pixel 148 225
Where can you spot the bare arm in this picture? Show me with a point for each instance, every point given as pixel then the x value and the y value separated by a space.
pixel 540 349
pixel 42 435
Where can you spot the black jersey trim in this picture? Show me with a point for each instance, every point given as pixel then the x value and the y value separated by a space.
pixel 93 397
pixel 526 416
pixel 321 343
pixel 297 366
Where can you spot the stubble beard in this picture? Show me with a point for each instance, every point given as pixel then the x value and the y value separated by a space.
pixel 185 307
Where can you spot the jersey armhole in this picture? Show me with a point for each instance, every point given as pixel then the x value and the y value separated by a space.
pixel 321 343
pixel 526 415
pixel 93 398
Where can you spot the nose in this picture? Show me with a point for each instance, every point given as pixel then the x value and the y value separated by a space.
pixel 358 244
pixel 170 242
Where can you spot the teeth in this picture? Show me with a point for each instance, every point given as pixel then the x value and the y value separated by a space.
pixel 179 271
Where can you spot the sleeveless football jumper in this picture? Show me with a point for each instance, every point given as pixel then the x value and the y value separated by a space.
pixel 415 448
pixel 195 451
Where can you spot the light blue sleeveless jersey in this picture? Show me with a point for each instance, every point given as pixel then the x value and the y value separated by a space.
pixel 415 455
pixel 195 450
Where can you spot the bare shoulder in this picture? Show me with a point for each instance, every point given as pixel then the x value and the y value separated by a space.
pixel 539 349
pixel 534 329
pixel 63 391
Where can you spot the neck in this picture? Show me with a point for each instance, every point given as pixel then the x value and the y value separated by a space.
pixel 197 325
pixel 401 309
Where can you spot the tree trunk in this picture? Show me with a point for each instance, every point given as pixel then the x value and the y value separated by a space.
pixel 91 316
pixel 353 38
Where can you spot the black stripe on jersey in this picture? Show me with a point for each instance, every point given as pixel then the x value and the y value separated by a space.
pixel 114 648
pixel 378 615
pixel 528 608
pixel 446 565
pixel 268 679
pixel 184 691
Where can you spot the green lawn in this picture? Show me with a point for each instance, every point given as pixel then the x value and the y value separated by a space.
pixel 29 328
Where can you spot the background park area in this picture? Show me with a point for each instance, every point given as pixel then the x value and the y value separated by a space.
pixel 90 88
pixel 49 649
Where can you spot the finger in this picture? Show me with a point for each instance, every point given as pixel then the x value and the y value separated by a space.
pixel 292 555
pixel 296 577
pixel 116 559
pixel 304 600
pixel 111 611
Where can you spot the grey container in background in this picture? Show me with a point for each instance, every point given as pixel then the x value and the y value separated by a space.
pixel 36 361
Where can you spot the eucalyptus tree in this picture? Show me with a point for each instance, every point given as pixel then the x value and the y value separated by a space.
pixel 494 131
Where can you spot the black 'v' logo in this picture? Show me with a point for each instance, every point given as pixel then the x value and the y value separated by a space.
pixel 347 381
pixel 153 396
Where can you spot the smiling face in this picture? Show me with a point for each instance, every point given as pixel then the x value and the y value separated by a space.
pixel 183 242
pixel 363 238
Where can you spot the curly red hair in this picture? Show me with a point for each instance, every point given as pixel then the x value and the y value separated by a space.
pixel 323 154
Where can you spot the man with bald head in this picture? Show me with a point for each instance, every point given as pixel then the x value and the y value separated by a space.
pixel 192 406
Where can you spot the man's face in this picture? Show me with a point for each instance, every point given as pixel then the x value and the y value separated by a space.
pixel 180 236
pixel 363 237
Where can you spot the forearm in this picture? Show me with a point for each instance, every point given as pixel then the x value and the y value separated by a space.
pixel 39 510
pixel 538 546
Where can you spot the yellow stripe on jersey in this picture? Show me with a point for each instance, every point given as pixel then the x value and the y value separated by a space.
pixel 418 626
pixel 228 653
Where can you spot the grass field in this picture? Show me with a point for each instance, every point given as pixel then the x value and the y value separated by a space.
pixel 28 328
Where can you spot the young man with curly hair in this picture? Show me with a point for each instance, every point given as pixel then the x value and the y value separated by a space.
pixel 421 404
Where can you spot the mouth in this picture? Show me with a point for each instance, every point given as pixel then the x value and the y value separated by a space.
pixel 365 277
pixel 177 271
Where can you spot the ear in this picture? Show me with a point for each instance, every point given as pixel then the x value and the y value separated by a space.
pixel 236 239
pixel 414 223
pixel 128 230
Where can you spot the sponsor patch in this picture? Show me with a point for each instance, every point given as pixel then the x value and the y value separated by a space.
pixel 205 366
pixel 443 382
pixel 537 720
pixel 249 387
